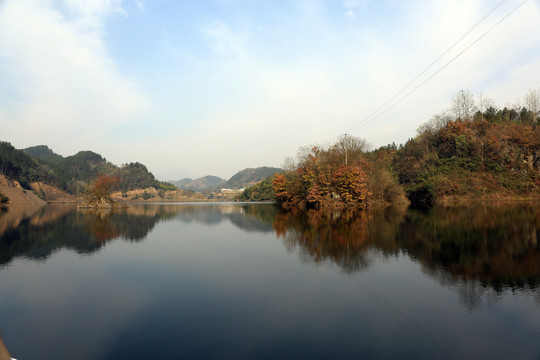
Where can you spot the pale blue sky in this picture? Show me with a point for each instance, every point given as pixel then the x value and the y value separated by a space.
pixel 194 88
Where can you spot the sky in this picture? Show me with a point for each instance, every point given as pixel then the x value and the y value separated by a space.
pixel 195 88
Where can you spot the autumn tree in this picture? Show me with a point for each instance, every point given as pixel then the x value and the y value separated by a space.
pixel 324 177
pixel 99 192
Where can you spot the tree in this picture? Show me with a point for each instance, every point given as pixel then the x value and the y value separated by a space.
pixel 436 123
pixel 532 102
pixel 100 190
pixel 351 147
pixel 463 106
pixel 323 176
pixel 483 103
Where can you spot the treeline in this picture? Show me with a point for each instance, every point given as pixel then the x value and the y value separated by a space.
pixel 467 152
pixel 72 173
pixel 262 191
pixel 472 150
pixel 17 165
pixel 341 175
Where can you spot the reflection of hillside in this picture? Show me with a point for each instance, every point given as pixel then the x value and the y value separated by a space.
pixel 55 227
pixel 38 232
pixel 340 236
pixel 495 247
pixel 11 217
pixel 473 247
pixel 248 217
pixel 47 214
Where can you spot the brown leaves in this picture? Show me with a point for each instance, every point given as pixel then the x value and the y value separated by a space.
pixel 321 180
pixel 101 188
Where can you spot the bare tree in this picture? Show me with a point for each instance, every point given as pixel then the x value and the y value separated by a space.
pixel 483 103
pixel 289 164
pixel 351 147
pixel 352 143
pixel 532 103
pixel 463 106
pixel 436 123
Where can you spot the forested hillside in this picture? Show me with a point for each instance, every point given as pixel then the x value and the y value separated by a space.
pixel 72 173
pixel 261 191
pixel 250 176
pixel 17 165
pixel 473 158
pixel 471 151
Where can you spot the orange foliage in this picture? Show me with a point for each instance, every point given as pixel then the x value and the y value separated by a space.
pixel 321 180
pixel 102 187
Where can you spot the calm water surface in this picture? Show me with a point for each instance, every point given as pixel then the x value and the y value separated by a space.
pixel 246 281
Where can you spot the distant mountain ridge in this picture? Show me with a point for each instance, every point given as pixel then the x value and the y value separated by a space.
pixel 42 152
pixel 250 176
pixel 181 183
pixel 239 180
pixel 205 183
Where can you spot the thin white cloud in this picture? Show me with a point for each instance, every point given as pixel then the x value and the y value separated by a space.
pixel 90 13
pixel 223 40
pixel 67 90
pixel 349 14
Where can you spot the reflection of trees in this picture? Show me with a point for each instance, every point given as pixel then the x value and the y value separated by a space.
pixel 55 227
pixel 495 245
pixel 474 249
pixel 132 223
pixel 38 232
pixel 481 250
pixel 340 236
pixel 11 217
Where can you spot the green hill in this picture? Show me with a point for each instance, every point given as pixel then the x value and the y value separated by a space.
pixel 71 173
pixel 180 183
pixel 250 176
pixel 205 183
pixel 43 152
pixel 18 165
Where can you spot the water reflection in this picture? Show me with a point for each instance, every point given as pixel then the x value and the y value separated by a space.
pixel 496 245
pixel 340 236
pixel 482 251
pixel 474 249
pixel 214 280
pixel 37 232
pixel 248 217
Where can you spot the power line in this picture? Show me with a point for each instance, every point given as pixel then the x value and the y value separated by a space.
pixel 365 120
pixel 430 65
pixel 443 67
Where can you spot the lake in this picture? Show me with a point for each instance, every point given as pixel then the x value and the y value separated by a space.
pixel 248 281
